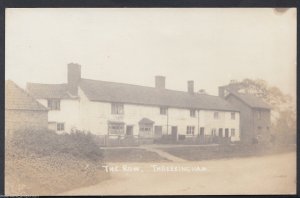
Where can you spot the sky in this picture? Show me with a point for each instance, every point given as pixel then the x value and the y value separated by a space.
pixel 131 45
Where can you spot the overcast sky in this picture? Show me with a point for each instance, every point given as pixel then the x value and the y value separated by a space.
pixel 210 46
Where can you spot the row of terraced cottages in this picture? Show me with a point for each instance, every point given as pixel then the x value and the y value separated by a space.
pixel 118 110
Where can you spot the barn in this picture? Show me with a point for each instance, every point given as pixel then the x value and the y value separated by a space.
pixel 22 111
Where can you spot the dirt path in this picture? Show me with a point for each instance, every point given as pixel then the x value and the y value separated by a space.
pixel 164 154
pixel 274 174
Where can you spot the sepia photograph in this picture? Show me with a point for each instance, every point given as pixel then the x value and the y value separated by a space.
pixel 150 101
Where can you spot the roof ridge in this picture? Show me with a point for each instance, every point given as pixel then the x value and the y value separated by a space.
pixel 195 93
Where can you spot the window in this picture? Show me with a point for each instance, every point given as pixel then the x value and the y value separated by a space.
pixel 163 110
pixel 117 108
pixel 213 132
pixel 146 129
pixel 60 126
pixel 116 128
pixel 232 115
pixel 259 115
pixel 190 130
pixel 192 112
pixel 232 132
pixel 54 104
pixel 216 115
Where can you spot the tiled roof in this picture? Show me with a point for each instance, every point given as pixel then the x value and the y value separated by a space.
pixel 104 91
pixel 39 91
pixel 97 90
pixel 250 100
pixel 18 99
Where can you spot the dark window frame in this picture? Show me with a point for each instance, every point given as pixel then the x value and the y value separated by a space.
pixel 116 128
pixel 232 132
pixel 190 130
pixel 60 126
pixel 117 108
pixel 193 113
pixel 232 115
pixel 163 110
pixel 53 104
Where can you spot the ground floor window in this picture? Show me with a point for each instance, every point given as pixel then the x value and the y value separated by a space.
pixel 60 126
pixel 190 130
pixel 116 128
pixel 213 132
pixel 232 132
pixel 146 129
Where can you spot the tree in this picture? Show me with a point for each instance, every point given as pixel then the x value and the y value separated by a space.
pixel 283 114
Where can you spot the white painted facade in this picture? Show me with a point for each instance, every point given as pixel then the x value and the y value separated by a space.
pixel 94 117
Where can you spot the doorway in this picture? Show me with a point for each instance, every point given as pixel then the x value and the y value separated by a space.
pixel 129 130
pixel 174 132
pixel 226 133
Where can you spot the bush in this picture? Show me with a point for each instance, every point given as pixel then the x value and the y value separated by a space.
pixel 45 142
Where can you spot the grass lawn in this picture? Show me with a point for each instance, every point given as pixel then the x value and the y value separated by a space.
pixel 131 155
pixel 226 151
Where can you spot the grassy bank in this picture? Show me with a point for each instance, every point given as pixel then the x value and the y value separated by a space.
pixel 131 155
pixel 227 151
pixel 45 163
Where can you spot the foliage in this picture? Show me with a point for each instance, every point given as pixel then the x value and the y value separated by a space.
pixel 45 142
pixel 283 106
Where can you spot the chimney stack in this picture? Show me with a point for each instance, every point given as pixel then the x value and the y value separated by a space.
pixel 160 82
pixel 74 76
pixel 191 86
pixel 221 91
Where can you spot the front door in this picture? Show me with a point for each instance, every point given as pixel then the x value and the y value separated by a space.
pixel 220 132
pixel 226 133
pixel 129 130
pixel 174 132
pixel 158 131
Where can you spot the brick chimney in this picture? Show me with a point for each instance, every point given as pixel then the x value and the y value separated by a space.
pixel 74 76
pixel 160 82
pixel 191 86
pixel 221 91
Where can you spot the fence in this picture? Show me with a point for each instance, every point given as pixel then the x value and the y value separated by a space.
pixel 135 140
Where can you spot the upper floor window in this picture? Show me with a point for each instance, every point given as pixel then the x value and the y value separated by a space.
pixel 192 112
pixel 117 108
pixel 190 130
pixel 232 115
pixel 60 126
pixel 163 110
pixel 216 115
pixel 54 104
